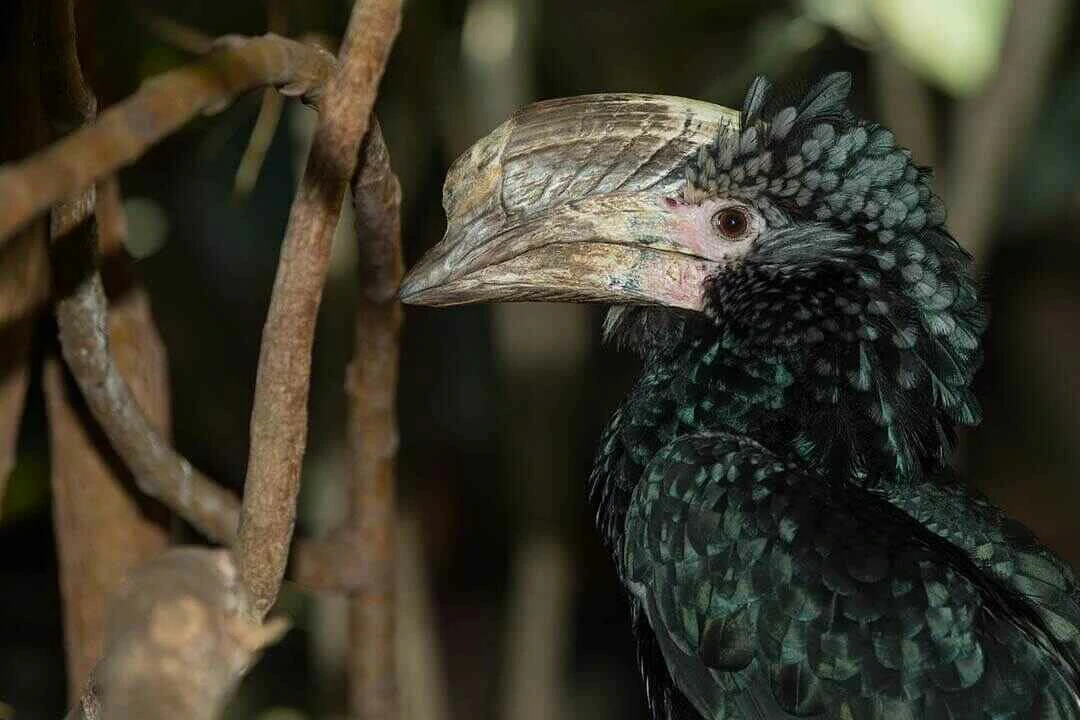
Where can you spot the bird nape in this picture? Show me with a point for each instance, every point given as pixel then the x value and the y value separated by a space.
pixel 775 491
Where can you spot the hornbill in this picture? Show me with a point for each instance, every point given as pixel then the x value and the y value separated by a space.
pixel 776 490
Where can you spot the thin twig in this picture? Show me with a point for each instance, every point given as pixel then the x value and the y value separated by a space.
pixel 373 435
pixel 989 128
pixel 101 531
pixel 81 308
pixel 159 471
pixel 279 415
pixel 251 162
pixel 125 131
pixel 157 468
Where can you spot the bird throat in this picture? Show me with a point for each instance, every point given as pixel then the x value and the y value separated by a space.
pixel 712 383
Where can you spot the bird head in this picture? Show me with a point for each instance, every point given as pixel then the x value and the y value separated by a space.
pixel 799 239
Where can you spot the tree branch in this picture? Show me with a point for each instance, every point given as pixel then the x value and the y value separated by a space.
pixel 186 628
pixel 262 134
pixel 82 319
pixel 279 415
pixel 102 528
pixel 24 281
pixel 371 383
pixel 125 131
pixel 179 638
pixel 159 471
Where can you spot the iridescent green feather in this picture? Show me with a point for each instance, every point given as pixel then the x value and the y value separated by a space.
pixel 775 490
pixel 774 593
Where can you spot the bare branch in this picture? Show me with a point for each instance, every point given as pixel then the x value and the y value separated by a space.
pixel 82 319
pixel 180 637
pixel 339 564
pixel 279 415
pixel 125 131
pixel 247 172
pixel 101 530
pixel 373 434
pixel 159 471
pixel 24 282
pixel 251 162
pixel 67 99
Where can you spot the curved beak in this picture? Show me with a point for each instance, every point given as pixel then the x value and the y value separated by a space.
pixel 577 199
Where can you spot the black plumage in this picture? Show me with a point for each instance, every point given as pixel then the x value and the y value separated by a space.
pixel 775 491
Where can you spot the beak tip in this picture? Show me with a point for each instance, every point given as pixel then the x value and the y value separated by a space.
pixel 418 285
pixel 409 291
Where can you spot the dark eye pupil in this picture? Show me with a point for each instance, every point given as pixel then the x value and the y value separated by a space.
pixel 731 223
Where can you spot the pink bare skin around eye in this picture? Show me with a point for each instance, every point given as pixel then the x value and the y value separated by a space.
pixel 694 231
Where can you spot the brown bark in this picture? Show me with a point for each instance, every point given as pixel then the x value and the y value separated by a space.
pixel 25 278
pixel 159 471
pixel 101 531
pixel 279 415
pixel 164 104
pixel 179 638
pixel 187 627
pixel 81 313
pixel 251 162
pixel 373 435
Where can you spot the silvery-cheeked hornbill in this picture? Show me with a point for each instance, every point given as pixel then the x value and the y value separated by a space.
pixel 776 490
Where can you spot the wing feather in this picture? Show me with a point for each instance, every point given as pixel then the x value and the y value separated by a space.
pixel 776 595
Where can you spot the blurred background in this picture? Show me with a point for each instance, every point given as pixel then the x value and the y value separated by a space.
pixel 509 606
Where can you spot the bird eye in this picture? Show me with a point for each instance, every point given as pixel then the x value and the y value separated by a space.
pixel 732 222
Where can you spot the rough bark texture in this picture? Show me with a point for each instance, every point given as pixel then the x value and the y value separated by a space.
pixel 125 131
pixel 185 628
pixel 179 638
pixel 158 470
pixel 81 312
pixel 279 415
pixel 101 531
pixel 373 434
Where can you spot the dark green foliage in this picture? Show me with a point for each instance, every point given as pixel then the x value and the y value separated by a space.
pixel 775 490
